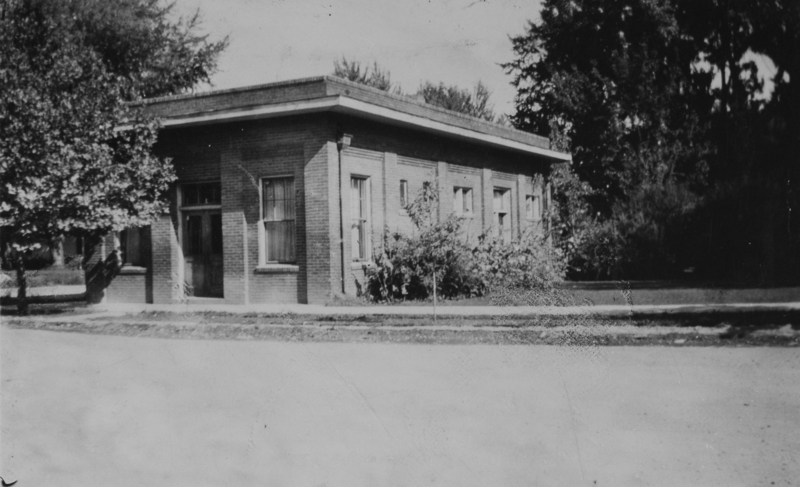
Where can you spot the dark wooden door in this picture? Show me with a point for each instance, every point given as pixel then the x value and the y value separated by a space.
pixel 202 250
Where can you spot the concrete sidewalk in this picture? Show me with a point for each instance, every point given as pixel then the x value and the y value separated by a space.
pixel 203 305
pixel 448 311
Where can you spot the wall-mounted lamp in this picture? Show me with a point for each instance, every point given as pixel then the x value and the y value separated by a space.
pixel 344 141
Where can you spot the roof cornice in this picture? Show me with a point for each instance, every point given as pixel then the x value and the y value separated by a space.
pixel 329 94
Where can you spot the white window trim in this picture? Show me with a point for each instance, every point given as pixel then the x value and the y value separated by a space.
pixel 404 182
pixel 466 195
pixel 536 201
pixel 368 233
pixel 508 197
pixel 262 232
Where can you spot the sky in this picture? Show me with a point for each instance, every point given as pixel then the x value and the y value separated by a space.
pixel 453 41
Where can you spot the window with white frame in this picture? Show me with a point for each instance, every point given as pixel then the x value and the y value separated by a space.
pixel 462 201
pixel 360 226
pixel 533 207
pixel 403 193
pixel 130 243
pixel 279 219
pixel 502 213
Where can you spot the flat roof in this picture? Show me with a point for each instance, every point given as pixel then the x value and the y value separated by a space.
pixel 331 94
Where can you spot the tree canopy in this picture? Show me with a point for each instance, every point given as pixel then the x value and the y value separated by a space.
pixel 377 78
pixel 75 157
pixel 474 102
pixel 664 101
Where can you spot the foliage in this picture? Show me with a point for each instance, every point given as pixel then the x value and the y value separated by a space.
pixel 528 263
pixel 615 76
pixel 475 103
pixel 643 237
pixel 404 269
pixel 377 78
pixel 75 158
pixel 666 98
pixel 150 52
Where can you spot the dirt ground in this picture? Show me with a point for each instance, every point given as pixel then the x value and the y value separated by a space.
pixel 96 409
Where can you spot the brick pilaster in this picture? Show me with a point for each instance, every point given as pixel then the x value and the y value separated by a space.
pixel 234 229
pixel 487 198
pixel 167 258
pixel 522 193
pixel 445 196
pixel 322 220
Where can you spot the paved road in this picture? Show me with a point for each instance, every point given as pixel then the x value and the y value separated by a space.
pixel 105 410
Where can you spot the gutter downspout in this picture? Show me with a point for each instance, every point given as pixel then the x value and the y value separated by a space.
pixel 342 142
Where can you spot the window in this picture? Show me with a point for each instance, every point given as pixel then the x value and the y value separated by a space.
pixel 130 242
pixel 279 219
pixel 200 194
pixel 403 193
pixel 533 207
pixel 502 218
pixel 462 201
pixel 359 230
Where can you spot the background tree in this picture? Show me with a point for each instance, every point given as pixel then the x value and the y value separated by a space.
pixel 475 103
pixel 68 167
pixel 663 105
pixel 377 78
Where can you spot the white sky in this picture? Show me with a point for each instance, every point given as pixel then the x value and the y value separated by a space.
pixel 454 41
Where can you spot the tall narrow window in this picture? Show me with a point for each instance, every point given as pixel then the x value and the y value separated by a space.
pixel 279 219
pixel 403 193
pixel 502 219
pixel 533 207
pixel 462 201
pixel 130 241
pixel 359 230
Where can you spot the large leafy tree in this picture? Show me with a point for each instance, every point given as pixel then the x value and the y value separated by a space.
pixel 617 78
pixel 75 157
pixel 663 103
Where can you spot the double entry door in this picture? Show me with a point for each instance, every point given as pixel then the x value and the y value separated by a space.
pixel 202 251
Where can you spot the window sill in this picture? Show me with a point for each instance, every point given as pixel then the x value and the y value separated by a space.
pixel 468 216
pixel 362 265
pixel 277 269
pixel 402 212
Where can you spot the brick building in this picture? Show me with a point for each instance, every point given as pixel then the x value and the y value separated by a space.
pixel 271 177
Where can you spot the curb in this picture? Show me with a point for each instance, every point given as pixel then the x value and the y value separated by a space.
pixel 605 311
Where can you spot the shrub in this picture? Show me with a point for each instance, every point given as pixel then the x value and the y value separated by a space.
pixel 405 267
pixel 528 263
